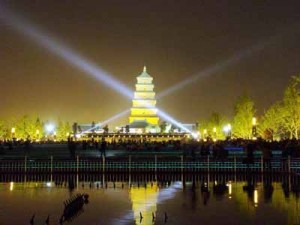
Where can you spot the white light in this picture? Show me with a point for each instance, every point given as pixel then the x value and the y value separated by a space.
pixel 48 184
pixel 78 135
pixel 195 135
pixel 227 128
pixel 50 127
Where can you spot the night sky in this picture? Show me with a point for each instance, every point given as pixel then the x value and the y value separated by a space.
pixel 174 39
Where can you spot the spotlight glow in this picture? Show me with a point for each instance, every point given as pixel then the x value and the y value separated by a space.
pixel 218 67
pixel 50 128
pixel 171 120
pixel 60 49
pixel 117 116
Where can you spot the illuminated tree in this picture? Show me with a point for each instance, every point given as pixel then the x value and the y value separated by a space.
pixel 270 126
pixel 290 111
pixel 28 127
pixel 242 122
pixel 63 130
pixel 3 130
pixel 214 126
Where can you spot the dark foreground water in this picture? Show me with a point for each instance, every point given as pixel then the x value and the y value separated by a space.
pixel 229 200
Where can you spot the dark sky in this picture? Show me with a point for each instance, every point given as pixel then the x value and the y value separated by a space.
pixel 175 39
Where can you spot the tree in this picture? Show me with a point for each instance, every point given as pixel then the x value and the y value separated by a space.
pixel 215 121
pixel 244 111
pixel 3 130
pixel 63 129
pixel 28 127
pixel 290 110
pixel 270 126
pixel 24 128
pixel 214 126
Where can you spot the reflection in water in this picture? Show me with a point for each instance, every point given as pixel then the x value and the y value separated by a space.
pixel 250 199
pixel 144 201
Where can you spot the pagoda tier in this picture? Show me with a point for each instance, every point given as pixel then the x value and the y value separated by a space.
pixel 143 104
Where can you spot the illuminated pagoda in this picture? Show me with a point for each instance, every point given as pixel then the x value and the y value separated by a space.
pixel 143 112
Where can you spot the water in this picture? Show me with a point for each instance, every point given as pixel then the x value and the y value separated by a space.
pixel 230 200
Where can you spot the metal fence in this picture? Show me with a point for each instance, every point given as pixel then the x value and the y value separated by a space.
pixel 149 164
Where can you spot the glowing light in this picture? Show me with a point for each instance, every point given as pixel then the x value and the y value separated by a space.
pixel 107 121
pixel 227 128
pixel 170 119
pixel 152 198
pixel 60 49
pixel 78 136
pixel 50 127
pixel 254 121
pixel 214 129
pixel 255 198
pixel 144 200
pixel 48 184
pixel 229 185
pixel 11 186
pixel 219 66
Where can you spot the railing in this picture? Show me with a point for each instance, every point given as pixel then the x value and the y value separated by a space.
pixel 150 164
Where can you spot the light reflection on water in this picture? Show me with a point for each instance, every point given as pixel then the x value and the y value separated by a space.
pixel 225 200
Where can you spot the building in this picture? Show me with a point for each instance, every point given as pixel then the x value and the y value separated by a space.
pixel 143 112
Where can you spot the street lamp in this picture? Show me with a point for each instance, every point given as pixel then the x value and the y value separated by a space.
pixel 37 132
pixel 254 122
pixel 204 134
pixel 50 129
pixel 227 130
pixel 13 131
pixel 215 133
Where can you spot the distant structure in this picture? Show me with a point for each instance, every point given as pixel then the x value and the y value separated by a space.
pixel 143 112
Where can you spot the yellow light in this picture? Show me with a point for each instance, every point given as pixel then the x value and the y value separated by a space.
pixel 13 130
pixel 37 132
pixel 255 198
pixel 204 131
pixel 229 188
pixel 254 121
pixel 11 186
pixel 229 126
pixel 68 134
pixel 144 200
pixel 214 129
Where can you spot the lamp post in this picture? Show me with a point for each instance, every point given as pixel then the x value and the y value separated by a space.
pixel 13 131
pixel 215 133
pixel 227 131
pixel 254 132
pixel 50 129
pixel 204 134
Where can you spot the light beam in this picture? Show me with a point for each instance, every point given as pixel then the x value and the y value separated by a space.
pixel 218 67
pixel 59 49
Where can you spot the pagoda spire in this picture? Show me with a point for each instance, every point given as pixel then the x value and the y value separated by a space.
pixel 145 69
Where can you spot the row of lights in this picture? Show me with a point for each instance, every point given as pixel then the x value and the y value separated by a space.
pixel 227 130
pixel 50 129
